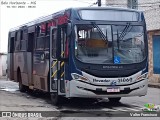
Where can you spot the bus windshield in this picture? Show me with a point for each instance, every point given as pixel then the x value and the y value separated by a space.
pixel 109 44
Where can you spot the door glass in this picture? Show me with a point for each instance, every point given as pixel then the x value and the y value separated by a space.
pixel 54 34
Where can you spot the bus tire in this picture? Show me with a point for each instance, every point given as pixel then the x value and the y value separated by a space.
pixel 56 99
pixel 48 84
pixel 22 87
pixel 115 100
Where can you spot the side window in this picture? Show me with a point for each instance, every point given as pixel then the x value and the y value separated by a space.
pixel 54 45
pixel 43 29
pixel 47 42
pixel 38 30
pixel 43 36
pixel 11 45
pixel 40 40
pixel 62 43
pixel 63 39
pixel 23 39
pixel 30 42
pixel 21 35
pixel 47 35
pixel 40 43
pixel 17 41
pixel 47 28
pixel 49 24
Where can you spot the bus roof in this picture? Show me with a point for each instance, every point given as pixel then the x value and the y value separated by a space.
pixel 59 13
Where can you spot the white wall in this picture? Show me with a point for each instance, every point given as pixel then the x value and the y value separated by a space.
pixel 0 66
pixel 3 65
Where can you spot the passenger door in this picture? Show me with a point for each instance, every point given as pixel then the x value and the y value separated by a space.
pixel 58 39
pixel 53 60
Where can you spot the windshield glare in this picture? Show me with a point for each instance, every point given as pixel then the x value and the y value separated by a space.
pixel 109 44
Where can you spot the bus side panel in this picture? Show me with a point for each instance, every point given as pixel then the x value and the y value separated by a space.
pixel 40 82
pixel 41 69
pixel 10 66
pixel 15 66
pixel 29 68
pixel 21 64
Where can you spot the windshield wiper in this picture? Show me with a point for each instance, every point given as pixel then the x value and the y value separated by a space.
pixel 124 32
pixel 100 31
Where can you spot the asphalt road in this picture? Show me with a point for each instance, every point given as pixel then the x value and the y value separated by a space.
pixel 11 99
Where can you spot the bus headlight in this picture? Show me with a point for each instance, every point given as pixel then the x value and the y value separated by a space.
pixel 143 76
pixel 77 76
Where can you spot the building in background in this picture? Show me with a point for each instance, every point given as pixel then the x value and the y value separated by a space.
pixel 151 11
pixel 3 64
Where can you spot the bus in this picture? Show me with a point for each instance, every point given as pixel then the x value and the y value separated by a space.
pixel 87 52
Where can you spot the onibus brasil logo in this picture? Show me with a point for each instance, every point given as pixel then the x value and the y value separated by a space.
pixel 151 107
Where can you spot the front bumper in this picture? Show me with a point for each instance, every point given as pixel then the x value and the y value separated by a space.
pixel 78 88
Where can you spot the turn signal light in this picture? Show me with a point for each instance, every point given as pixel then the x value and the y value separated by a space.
pixel 143 76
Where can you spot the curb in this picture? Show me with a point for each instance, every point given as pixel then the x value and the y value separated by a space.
pixel 154 85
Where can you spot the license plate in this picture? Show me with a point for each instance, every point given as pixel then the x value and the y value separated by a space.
pixel 113 90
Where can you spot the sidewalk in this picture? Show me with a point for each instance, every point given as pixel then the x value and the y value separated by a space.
pixel 3 77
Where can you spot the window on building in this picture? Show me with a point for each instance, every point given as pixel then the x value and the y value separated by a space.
pixel 133 4
pixel 156 53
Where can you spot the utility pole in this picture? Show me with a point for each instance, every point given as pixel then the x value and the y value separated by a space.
pixel 99 3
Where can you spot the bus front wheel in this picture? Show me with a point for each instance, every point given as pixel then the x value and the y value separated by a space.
pixel 114 100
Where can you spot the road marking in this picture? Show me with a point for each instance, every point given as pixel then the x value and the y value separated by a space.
pixel 139 107
pixel 120 109
pixel 132 109
pixel 108 109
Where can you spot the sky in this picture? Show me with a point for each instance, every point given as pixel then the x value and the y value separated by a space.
pixel 12 17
